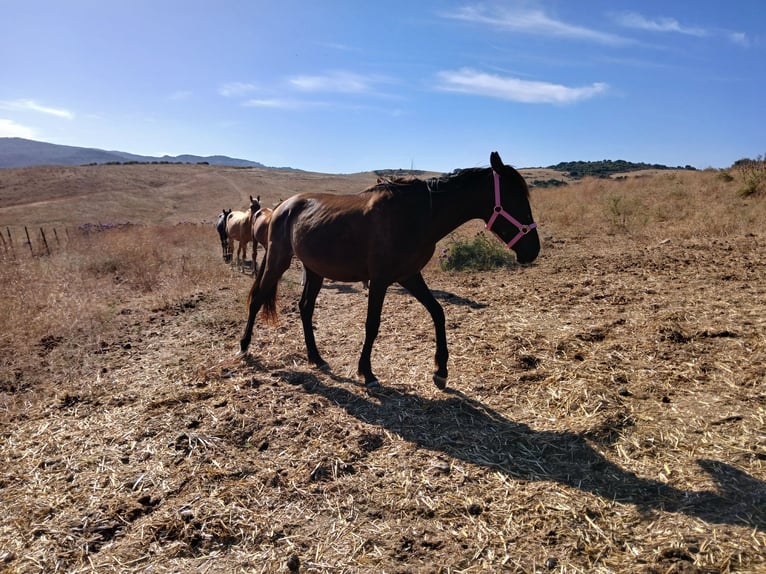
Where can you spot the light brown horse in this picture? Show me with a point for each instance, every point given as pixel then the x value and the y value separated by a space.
pixel 239 228
pixel 260 230
pixel 387 234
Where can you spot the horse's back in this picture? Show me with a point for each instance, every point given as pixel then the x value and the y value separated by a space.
pixel 261 221
pixel 349 237
pixel 237 225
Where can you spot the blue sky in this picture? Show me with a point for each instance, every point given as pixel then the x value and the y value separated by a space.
pixel 347 86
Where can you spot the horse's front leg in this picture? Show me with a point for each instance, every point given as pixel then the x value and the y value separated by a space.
pixel 375 298
pixel 311 287
pixel 417 286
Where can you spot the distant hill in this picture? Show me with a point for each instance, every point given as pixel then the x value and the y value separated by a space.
pixel 19 152
pixel 606 167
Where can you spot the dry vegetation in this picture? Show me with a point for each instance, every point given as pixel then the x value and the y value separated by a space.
pixel 606 409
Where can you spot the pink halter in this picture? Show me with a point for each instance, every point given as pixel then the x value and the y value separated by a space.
pixel 523 229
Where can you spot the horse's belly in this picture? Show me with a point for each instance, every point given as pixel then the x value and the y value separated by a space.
pixel 339 268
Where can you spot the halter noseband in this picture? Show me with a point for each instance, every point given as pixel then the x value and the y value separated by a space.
pixel 499 210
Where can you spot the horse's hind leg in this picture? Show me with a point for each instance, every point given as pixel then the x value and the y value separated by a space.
pixel 311 287
pixel 254 306
pixel 416 285
pixel 263 292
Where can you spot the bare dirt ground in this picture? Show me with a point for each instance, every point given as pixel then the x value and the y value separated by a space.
pixel 605 412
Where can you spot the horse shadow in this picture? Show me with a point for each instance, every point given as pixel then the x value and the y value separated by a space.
pixel 468 430
pixel 445 296
pixel 453 299
pixel 341 287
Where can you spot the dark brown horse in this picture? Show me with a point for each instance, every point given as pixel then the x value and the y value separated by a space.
pixel 261 221
pixel 220 227
pixel 387 234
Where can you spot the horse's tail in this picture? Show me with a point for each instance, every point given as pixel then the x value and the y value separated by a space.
pixel 270 315
pixel 268 299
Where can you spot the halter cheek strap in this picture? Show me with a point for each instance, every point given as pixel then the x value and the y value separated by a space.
pixel 500 212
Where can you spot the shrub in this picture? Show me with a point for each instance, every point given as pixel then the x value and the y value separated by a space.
pixel 753 173
pixel 625 212
pixel 725 176
pixel 479 253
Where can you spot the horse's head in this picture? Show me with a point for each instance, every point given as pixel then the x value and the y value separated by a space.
pixel 255 204
pixel 220 224
pixel 511 215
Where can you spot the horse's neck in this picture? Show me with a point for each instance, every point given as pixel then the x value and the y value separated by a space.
pixel 452 207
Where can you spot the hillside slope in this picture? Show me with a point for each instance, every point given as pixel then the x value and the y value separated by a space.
pixel 20 152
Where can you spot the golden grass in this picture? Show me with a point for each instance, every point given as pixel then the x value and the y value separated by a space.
pixel 605 412
pixel 667 204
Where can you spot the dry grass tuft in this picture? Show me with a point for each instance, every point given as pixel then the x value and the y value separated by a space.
pixel 605 411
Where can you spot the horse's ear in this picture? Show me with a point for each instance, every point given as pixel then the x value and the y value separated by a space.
pixel 258 199
pixel 495 161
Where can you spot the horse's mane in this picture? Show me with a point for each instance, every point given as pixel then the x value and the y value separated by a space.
pixel 403 184
pixel 397 184
pixel 435 183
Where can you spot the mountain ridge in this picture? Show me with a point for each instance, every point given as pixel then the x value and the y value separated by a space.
pixel 19 152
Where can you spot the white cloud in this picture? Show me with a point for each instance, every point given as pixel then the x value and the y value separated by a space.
pixel 10 129
pixel 280 103
pixel 234 89
pixel 31 105
pixel 739 38
pixel 531 22
pixel 337 82
pixel 671 25
pixel 639 22
pixel 467 81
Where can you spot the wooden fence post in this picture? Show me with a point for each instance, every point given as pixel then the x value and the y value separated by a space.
pixel 29 241
pixel 45 242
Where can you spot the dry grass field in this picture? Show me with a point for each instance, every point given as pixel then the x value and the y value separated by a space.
pixel 606 408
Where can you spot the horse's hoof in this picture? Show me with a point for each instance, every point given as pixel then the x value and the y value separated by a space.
pixel 240 354
pixel 373 384
pixel 440 382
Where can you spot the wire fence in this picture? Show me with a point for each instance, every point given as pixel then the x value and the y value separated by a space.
pixel 33 241
pixel 21 241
